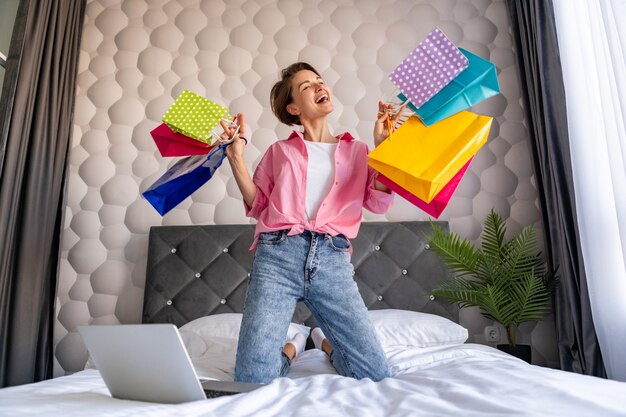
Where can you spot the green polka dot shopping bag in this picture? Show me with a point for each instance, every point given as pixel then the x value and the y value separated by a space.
pixel 194 116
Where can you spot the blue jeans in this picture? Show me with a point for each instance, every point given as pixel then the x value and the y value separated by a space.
pixel 314 268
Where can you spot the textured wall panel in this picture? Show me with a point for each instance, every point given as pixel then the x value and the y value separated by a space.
pixel 137 56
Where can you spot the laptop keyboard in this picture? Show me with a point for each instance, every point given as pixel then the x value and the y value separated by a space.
pixel 211 393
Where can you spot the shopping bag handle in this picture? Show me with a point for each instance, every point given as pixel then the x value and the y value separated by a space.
pixel 389 126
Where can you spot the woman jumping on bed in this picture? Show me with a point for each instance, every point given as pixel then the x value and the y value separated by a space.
pixel 307 194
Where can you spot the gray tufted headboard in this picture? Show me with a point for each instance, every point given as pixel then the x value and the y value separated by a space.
pixel 194 271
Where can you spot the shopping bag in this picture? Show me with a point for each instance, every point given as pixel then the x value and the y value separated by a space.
pixel 183 178
pixel 477 82
pixel 194 116
pixel 172 143
pixel 423 159
pixel 441 200
pixel 428 68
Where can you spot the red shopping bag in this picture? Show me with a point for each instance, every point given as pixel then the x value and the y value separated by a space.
pixel 171 143
pixel 439 202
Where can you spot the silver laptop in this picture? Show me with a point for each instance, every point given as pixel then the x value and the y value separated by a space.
pixel 149 362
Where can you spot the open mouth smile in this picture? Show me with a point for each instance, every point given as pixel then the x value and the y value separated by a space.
pixel 322 99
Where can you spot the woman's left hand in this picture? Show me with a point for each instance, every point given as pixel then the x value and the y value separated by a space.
pixel 381 130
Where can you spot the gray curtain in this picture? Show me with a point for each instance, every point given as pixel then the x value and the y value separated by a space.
pixel 533 27
pixel 36 112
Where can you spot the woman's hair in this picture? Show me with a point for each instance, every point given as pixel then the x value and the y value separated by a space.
pixel 281 96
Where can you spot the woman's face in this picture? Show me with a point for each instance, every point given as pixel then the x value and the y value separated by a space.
pixel 311 97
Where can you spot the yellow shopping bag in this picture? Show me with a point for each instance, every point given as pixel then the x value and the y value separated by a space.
pixel 423 159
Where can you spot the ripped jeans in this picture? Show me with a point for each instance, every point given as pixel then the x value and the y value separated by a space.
pixel 314 268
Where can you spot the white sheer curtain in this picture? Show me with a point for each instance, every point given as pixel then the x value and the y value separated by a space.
pixel 592 45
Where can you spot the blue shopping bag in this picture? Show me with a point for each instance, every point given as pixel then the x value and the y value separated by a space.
pixel 183 178
pixel 476 83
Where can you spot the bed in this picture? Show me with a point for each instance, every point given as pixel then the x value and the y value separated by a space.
pixel 196 279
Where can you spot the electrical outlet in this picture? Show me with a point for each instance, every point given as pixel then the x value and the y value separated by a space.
pixel 492 334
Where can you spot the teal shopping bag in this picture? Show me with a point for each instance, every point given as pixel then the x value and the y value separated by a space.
pixel 476 83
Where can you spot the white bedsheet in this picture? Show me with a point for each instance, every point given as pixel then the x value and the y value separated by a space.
pixel 461 380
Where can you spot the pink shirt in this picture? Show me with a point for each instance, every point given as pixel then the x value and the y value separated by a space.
pixel 280 179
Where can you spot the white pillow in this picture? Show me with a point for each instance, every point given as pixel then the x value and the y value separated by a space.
pixel 196 346
pixel 212 343
pixel 217 325
pixel 220 333
pixel 410 328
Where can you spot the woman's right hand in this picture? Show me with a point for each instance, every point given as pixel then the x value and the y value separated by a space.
pixel 235 150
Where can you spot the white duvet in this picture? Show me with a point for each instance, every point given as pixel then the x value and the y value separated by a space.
pixel 460 380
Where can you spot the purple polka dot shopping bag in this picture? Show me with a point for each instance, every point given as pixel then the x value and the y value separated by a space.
pixel 432 65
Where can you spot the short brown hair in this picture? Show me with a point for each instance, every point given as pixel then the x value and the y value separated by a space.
pixel 281 96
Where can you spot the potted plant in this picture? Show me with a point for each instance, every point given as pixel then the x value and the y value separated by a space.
pixel 507 280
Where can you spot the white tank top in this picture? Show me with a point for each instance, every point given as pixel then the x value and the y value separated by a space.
pixel 320 174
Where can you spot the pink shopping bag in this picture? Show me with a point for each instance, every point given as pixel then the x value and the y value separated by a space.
pixel 439 202
pixel 171 143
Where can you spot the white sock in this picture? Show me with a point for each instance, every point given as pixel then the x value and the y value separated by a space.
pixel 318 337
pixel 299 342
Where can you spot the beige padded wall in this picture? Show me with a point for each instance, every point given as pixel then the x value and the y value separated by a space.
pixel 138 55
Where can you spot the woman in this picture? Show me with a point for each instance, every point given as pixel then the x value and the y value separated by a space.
pixel 307 195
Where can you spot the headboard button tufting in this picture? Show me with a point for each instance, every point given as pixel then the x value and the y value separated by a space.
pixel 166 270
